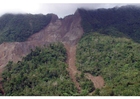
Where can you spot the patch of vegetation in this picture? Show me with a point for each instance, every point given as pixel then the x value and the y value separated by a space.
pixel 18 27
pixel 85 84
pixel 116 59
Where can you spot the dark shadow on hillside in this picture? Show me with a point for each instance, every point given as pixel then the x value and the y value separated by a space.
pixel 123 21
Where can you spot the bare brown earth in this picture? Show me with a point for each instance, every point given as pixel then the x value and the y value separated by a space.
pixel 98 81
pixel 67 30
pixel 71 52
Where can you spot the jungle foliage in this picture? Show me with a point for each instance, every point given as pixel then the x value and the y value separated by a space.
pixel 117 60
pixel 19 27
pixel 118 21
pixel 41 73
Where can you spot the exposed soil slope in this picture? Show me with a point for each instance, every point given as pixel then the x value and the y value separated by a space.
pixel 59 30
pixel 71 52
pixel 98 81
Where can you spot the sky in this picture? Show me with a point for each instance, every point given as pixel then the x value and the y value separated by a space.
pixel 60 8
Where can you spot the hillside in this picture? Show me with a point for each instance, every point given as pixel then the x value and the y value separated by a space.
pixel 120 22
pixel 117 60
pixel 97 53
pixel 39 74
pixel 67 31
pixel 43 72
pixel 19 27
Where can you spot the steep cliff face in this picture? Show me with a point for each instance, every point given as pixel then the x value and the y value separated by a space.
pixel 67 30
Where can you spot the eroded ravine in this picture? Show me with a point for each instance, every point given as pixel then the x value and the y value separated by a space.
pixel 71 52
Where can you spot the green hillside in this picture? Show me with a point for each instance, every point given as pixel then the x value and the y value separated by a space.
pixel 18 27
pixel 116 59
pixel 41 73
pixel 123 21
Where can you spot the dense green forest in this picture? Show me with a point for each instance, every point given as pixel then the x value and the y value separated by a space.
pixel 116 59
pixel 18 27
pixel 42 72
pixel 122 21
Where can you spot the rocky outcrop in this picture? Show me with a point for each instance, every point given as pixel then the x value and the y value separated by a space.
pixel 67 30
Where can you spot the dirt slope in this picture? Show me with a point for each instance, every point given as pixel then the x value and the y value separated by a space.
pixel 71 52
pixel 66 30
pixel 98 81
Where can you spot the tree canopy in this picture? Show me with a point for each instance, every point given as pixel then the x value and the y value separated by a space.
pixel 19 27
pixel 41 73
pixel 116 59
pixel 123 21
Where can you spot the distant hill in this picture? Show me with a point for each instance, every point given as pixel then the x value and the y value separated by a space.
pixel 19 27
pixel 122 21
